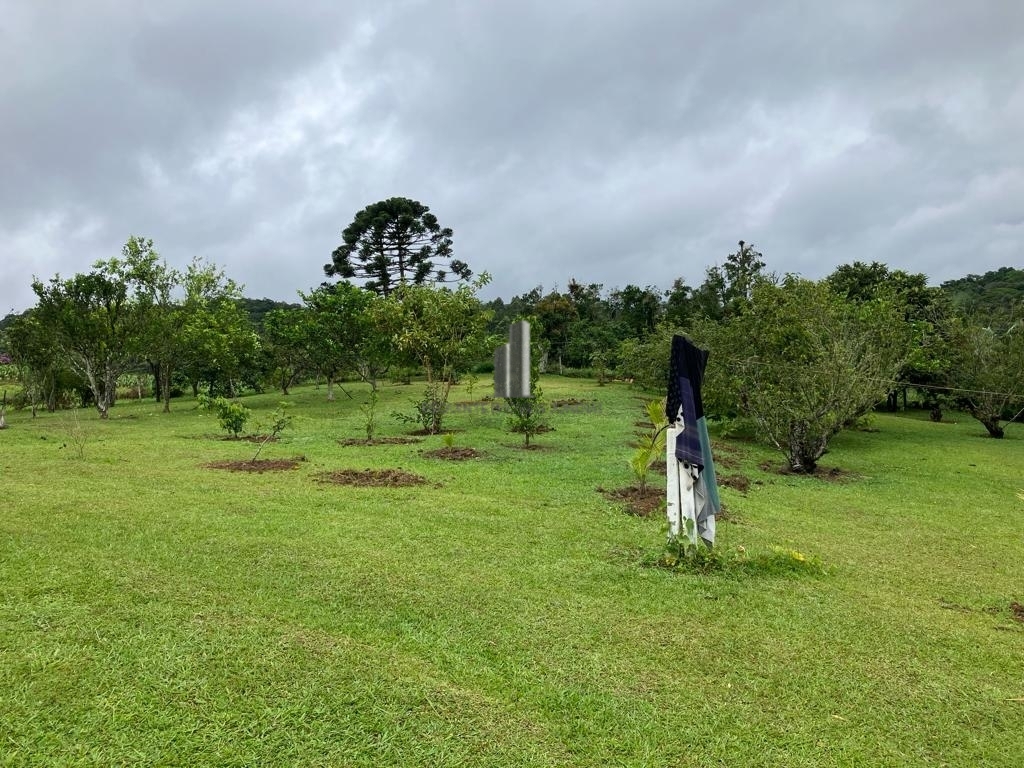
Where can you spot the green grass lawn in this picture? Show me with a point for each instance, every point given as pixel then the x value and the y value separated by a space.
pixel 153 611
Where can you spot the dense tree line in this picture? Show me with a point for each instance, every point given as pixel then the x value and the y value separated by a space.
pixel 800 360
pixel 795 359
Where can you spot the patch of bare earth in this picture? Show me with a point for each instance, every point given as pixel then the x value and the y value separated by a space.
pixel 831 474
pixel 642 503
pixel 1017 611
pixel 379 441
pixel 740 483
pixel 259 465
pixel 372 478
pixel 453 453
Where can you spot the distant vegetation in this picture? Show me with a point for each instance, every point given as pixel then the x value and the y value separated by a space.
pixel 986 295
pixel 793 361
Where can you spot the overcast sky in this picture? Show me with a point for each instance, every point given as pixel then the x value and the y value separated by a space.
pixel 615 142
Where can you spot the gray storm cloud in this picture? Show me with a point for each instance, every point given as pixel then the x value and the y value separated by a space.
pixel 615 142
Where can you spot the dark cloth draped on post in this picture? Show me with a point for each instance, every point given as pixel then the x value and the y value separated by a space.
pixel 685 378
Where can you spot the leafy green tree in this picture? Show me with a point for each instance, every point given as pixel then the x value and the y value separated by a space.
pixel 285 338
pixel 678 303
pixel 802 363
pixel 36 353
pixel 645 362
pixel 97 320
pixel 395 242
pixel 518 307
pixel 989 371
pixel 443 330
pixel 925 311
pixel 556 314
pixel 161 316
pixel 726 290
pixel 638 309
pixel 348 330
pixel 218 340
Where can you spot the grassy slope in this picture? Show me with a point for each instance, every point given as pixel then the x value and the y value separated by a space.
pixel 154 611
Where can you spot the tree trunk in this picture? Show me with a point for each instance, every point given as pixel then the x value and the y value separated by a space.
pixel 154 370
pixel 992 425
pixel 98 395
pixel 330 389
pixel 106 398
pixel 804 449
pixel 165 385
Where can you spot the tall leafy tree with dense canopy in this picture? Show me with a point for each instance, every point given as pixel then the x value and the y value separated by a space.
pixel 348 329
pixel 988 370
pixel 395 242
pixel 217 336
pixel 98 319
pixel 802 363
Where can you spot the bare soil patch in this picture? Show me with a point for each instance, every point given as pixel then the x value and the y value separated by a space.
pixel 259 465
pixel 740 483
pixel 379 441
pixel 829 474
pixel 372 478
pixel 453 453
pixel 640 503
pixel 530 447
pixel 564 402
pixel 724 460
pixel 1017 611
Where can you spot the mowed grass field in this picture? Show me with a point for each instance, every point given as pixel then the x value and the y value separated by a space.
pixel 155 611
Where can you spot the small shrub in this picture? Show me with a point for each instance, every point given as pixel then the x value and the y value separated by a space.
pixel 369 411
pixel 652 445
pixel 685 555
pixel 231 414
pixel 600 363
pixel 75 434
pixel 279 421
pixel 430 410
pixel 527 415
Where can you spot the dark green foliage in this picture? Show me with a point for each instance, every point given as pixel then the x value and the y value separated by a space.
pixel 987 295
pixel 257 309
pixel 394 242
pixel 727 289
pixel 646 362
pixel 926 313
